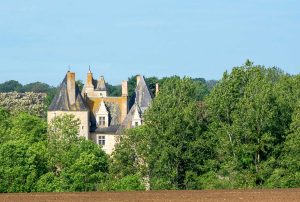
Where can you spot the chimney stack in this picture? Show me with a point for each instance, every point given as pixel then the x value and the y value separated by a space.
pixel 124 88
pixel 156 89
pixel 71 87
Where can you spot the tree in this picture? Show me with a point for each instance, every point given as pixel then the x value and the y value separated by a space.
pixel 244 122
pixel 114 90
pixel 286 174
pixel 74 164
pixel 36 87
pixel 22 152
pixel 10 86
pixel 80 84
pixel 162 149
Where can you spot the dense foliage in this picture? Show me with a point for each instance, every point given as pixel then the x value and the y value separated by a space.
pixel 242 133
pixel 36 87
pixel 32 103
pixel 33 160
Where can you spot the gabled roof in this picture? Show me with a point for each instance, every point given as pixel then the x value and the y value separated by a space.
pixel 61 99
pixel 102 109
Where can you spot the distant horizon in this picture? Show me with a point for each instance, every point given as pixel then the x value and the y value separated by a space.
pixel 40 39
pixel 96 76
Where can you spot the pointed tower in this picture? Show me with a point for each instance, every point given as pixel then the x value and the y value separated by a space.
pixel 140 102
pixel 101 87
pixel 89 86
pixel 68 100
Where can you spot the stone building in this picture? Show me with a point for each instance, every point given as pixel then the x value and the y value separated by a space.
pixel 103 118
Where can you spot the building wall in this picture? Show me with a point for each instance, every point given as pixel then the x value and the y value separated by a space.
pixel 90 92
pixel 110 141
pixel 83 116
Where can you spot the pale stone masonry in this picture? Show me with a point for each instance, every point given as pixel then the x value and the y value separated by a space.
pixel 103 118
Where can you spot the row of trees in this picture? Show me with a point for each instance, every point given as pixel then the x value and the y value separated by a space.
pixel 151 82
pixel 113 90
pixel 245 133
pixel 36 87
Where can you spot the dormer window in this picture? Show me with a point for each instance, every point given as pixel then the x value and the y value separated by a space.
pixel 102 121
pixel 102 116
pixel 137 119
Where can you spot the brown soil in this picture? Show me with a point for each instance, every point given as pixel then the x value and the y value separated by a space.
pixel 274 195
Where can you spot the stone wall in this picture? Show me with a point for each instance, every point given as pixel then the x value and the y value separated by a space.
pixel 110 141
pixel 83 116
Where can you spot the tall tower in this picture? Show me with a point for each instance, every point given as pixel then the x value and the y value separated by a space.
pixel 68 100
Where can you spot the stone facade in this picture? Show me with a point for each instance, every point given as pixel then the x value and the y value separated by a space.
pixel 103 118
pixel 83 116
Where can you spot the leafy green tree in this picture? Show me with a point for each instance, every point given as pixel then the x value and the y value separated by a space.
pixel 22 152
pixel 126 183
pixel 131 85
pixel 245 125
pixel 10 86
pixel 287 174
pixel 74 164
pixel 114 90
pixel 201 90
pixel 28 128
pixel 50 95
pixel 161 151
pixel 151 82
pixel 36 87
pixel 80 84
pixel 5 125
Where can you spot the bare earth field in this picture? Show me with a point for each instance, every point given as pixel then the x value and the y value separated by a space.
pixel 274 195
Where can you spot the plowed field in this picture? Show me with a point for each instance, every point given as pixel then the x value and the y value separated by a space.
pixel 274 195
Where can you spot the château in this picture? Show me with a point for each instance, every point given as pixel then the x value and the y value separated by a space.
pixel 103 118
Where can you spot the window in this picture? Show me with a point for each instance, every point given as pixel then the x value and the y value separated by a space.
pixel 102 121
pixel 101 140
pixel 101 94
pixel 136 124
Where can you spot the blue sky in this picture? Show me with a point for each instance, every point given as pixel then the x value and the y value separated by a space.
pixel 120 38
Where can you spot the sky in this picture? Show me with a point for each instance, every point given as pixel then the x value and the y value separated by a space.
pixel 40 40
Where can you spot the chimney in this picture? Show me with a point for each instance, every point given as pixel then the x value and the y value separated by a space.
pixel 71 87
pixel 156 89
pixel 138 78
pixel 124 88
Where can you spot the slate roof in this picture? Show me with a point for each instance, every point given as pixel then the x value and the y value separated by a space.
pixel 140 101
pixel 142 95
pixel 127 123
pixel 61 99
pixel 110 129
pixel 100 84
